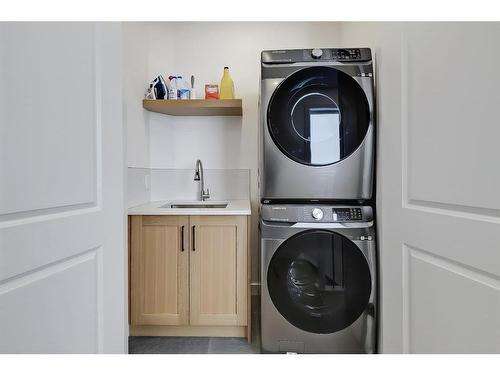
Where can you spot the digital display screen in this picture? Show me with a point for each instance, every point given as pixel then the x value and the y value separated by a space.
pixel 347 214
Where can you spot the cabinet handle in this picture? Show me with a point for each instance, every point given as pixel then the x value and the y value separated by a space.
pixel 194 238
pixel 182 238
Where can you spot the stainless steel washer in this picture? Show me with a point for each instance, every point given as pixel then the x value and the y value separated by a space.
pixel 317 132
pixel 318 270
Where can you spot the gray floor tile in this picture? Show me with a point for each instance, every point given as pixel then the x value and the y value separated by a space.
pixel 229 345
pixel 143 345
pixel 184 345
pixel 190 345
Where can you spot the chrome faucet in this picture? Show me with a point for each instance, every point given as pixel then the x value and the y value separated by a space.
pixel 198 176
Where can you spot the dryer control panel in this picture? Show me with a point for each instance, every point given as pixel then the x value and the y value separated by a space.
pixel 344 55
pixel 348 214
pixel 316 213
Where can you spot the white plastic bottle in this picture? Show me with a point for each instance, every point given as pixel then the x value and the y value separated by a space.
pixel 182 88
pixel 172 90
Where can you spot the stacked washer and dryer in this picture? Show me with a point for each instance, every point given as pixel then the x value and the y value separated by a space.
pixel 318 254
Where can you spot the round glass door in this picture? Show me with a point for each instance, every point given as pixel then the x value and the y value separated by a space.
pixel 319 281
pixel 318 116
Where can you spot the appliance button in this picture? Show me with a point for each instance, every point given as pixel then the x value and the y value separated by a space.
pixel 317 53
pixel 317 214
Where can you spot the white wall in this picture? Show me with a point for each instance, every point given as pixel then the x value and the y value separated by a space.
pixel 135 80
pixel 203 49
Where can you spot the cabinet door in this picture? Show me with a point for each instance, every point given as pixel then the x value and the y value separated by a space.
pixel 159 270
pixel 218 270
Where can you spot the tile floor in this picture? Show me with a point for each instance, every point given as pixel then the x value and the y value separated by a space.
pixel 200 345
pixel 189 345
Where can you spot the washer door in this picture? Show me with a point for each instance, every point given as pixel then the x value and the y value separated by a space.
pixel 318 116
pixel 319 281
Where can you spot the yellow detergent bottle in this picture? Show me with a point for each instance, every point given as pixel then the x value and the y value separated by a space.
pixel 226 85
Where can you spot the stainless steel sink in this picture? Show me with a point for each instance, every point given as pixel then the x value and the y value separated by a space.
pixel 196 205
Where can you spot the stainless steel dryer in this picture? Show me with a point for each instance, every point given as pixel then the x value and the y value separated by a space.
pixel 318 270
pixel 317 133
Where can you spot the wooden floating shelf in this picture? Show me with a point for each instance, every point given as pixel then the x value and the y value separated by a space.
pixel 195 107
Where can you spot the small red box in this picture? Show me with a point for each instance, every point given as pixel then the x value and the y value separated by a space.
pixel 211 91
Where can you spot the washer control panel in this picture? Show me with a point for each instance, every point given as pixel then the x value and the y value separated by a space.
pixel 331 214
pixel 347 54
pixel 319 213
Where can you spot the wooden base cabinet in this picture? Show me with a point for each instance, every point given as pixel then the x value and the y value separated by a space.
pixel 218 274
pixel 189 274
pixel 159 270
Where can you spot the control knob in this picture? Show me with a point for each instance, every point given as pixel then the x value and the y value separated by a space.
pixel 317 214
pixel 317 53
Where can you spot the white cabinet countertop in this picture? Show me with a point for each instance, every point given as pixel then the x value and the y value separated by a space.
pixel 234 207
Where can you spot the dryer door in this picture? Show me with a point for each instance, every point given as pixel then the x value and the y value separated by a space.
pixel 319 281
pixel 318 116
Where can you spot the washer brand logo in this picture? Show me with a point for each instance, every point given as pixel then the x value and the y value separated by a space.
pixel 279 51
pixel 278 208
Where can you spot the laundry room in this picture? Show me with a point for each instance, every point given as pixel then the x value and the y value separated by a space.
pixel 249 187
pixel 227 148
pixel 308 150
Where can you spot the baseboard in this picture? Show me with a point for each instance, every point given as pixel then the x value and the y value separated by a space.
pixel 221 331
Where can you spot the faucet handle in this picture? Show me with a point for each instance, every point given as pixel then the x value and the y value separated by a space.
pixel 206 194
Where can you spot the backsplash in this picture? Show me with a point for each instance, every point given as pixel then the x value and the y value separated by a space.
pixel 138 186
pixel 146 184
